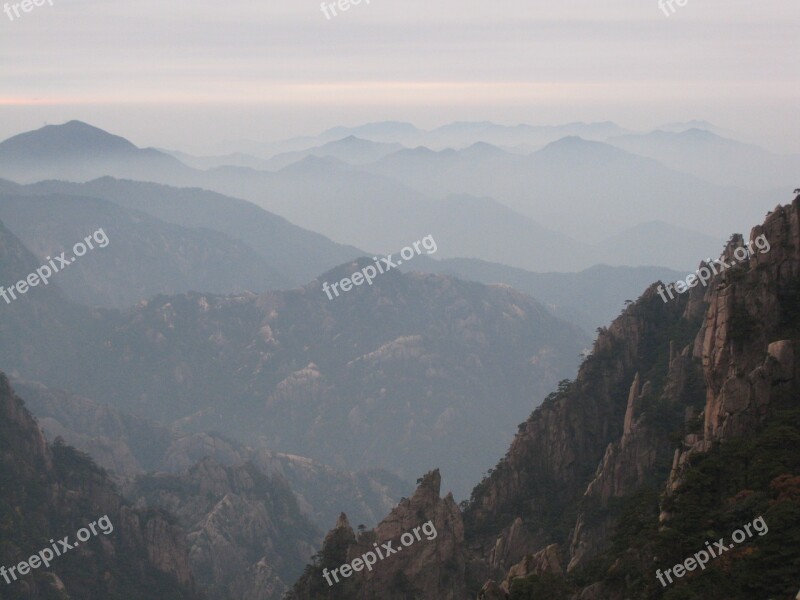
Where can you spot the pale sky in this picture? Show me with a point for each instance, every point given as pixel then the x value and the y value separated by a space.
pixel 189 73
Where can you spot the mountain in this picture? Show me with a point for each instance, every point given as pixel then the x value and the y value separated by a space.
pixel 135 256
pixel 451 135
pixel 681 428
pixel 76 151
pixel 350 149
pixel 386 376
pixel 52 491
pixel 434 560
pixel 569 187
pixel 466 133
pixel 383 131
pixel 650 239
pixel 298 254
pixel 590 298
pixel 246 534
pixel 717 159
pixel 235 159
pixel 681 126
pixel 573 185
pixel 128 446
pixel 36 329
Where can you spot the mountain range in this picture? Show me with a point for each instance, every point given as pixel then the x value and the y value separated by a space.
pixel 680 428
pixel 383 205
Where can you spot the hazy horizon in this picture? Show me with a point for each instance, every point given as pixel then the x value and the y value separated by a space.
pixel 190 76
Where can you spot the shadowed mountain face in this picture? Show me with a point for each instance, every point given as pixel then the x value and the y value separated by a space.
pixel 128 446
pixel 62 491
pixel 246 534
pixel 390 376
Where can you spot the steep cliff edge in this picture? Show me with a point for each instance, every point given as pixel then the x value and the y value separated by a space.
pixel 682 426
pixel 716 375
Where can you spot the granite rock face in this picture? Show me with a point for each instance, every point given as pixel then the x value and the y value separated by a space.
pixel 747 363
pixel 428 533
pixel 742 358
pixel 246 533
pixel 708 363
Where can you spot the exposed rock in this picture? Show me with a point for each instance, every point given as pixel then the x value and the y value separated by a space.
pixel 512 544
pixel 431 567
pixel 491 591
pixel 62 491
pixel 238 522
pixel 546 560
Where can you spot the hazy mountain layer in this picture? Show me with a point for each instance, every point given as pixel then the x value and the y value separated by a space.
pixel 142 257
pixel 306 375
pixel 590 299
pixel 570 187
pixel 129 446
pixel 298 255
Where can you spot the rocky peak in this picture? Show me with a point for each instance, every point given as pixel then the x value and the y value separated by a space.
pixel 432 566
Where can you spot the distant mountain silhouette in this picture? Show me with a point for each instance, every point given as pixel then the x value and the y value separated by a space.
pixel 297 254
pixel 714 158
pixel 76 151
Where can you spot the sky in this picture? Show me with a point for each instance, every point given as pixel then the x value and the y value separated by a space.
pixel 188 74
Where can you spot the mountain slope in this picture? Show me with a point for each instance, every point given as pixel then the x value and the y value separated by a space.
pixel 714 158
pixel 139 556
pixel 129 446
pixel 570 188
pixel 37 329
pixel 246 534
pixel 142 257
pixel 651 239
pixel 681 428
pixel 573 185
pixel 299 255
pixel 332 379
pixel 590 298
pixel 350 149
pixel 77 151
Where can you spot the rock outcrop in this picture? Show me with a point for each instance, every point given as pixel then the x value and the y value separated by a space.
pixel 63 491
pixel 246 534
pixel 431 567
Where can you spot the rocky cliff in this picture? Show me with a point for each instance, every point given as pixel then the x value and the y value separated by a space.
pixel 62 491
pixel 682 426
pixel 246 533
pixel 668 389
pixel 427 567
